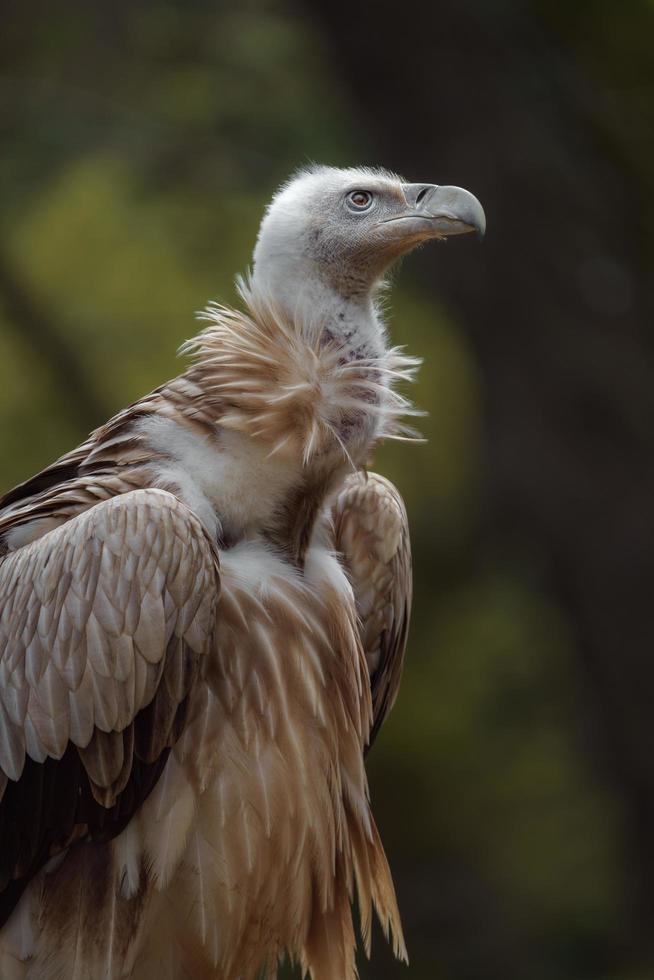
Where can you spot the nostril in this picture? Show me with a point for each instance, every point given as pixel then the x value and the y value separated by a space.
pixel 422 193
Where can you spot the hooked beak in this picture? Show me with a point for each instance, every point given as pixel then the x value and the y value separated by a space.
pixel 439 211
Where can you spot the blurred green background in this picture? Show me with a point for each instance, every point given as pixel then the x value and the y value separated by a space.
pixel 514 782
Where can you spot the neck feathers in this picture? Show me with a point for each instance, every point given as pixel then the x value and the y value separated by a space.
pixel 299 386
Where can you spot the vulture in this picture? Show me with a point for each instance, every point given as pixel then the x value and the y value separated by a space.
pixel 203 615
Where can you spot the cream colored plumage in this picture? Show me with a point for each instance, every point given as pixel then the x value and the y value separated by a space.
pixel 203 614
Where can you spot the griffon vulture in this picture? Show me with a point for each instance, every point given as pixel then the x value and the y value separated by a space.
pixel 203 614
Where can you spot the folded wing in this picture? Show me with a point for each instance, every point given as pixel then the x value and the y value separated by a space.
pixel 372 535
pixel 104 622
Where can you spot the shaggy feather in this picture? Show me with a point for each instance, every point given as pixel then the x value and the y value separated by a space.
pixel 284 384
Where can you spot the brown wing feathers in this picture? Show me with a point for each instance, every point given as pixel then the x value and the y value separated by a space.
pixel 103 625
pixel 372 534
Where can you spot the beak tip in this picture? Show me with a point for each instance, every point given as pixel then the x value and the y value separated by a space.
pixel 457 205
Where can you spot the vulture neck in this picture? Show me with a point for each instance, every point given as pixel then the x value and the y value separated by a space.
pixel 340 303
pixel 299 387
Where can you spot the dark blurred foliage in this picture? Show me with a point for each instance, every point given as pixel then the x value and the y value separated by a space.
pixel 514 783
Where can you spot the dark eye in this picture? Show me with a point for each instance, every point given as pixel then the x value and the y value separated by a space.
pixel 359 200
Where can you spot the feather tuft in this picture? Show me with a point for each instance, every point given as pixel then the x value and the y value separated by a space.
pixel 285 384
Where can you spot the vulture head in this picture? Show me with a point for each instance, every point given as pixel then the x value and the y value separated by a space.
pixel 336 231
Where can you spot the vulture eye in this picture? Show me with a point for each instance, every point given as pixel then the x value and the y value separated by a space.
pixel 359 200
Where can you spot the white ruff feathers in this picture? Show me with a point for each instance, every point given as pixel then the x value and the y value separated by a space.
pixel 284 384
